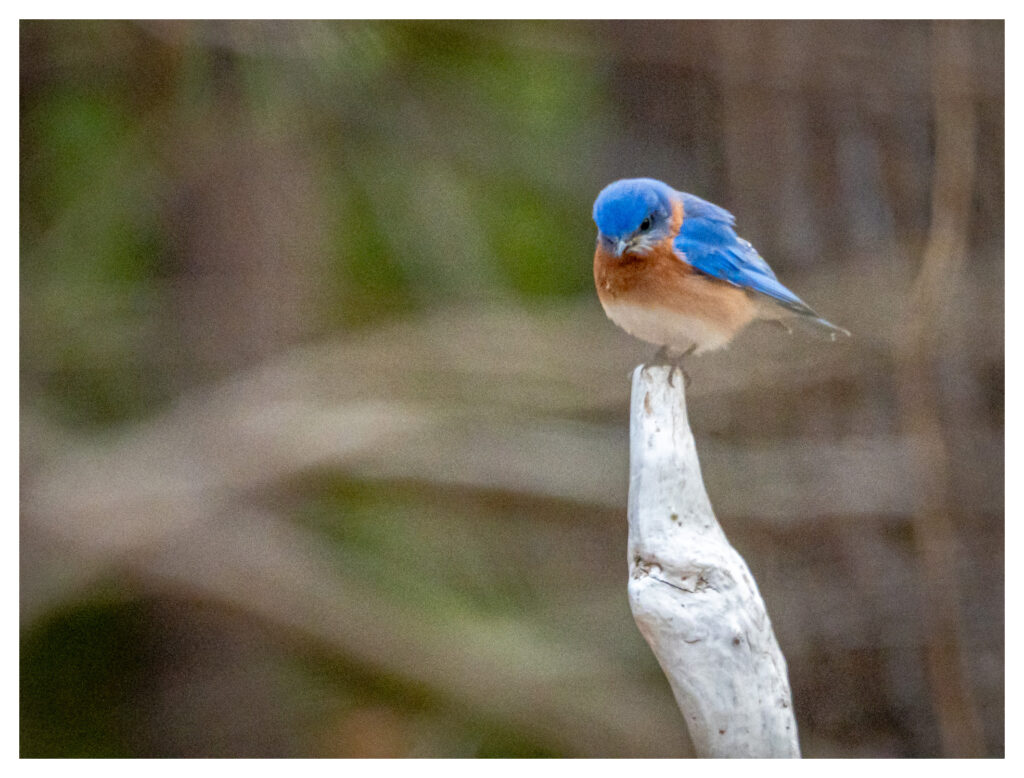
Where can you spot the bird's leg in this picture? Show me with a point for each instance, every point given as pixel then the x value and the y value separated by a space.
pixel 662 357
pixel 665 357
pixel 678 362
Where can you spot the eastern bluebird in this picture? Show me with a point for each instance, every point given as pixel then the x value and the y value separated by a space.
pixel 671 270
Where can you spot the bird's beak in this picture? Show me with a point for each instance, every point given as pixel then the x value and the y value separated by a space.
pixel 621 246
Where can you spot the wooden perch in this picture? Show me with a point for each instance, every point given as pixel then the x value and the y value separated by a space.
pixel 691 593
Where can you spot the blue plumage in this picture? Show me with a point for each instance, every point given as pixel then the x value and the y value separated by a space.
pixel 622 206
pixel 709 243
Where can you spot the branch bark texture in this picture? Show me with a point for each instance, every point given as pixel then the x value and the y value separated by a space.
pixel 692 595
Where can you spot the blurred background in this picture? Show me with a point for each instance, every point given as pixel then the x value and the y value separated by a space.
pixel 324 433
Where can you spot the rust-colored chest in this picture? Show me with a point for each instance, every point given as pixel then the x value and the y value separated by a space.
pixel 638 278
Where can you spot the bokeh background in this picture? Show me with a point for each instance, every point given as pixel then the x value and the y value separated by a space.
pixel 324 433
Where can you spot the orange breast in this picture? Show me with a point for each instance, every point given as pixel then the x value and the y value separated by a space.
pixel 680 306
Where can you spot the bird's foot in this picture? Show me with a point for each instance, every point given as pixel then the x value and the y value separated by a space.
pixel 686 376
pixel 665 356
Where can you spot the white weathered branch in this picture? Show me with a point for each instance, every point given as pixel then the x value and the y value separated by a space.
pixel 691 593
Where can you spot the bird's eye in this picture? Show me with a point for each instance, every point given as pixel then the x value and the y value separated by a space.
pixel 645 224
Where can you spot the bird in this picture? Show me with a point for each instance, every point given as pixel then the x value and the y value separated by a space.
pixel 671 270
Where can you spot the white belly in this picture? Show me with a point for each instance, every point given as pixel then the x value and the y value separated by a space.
pixel 666 328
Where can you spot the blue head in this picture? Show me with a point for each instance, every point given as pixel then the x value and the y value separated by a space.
pixel 634 214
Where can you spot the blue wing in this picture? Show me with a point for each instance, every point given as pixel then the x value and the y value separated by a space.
pixel 709 243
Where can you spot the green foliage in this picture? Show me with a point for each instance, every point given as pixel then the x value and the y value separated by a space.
pixel 80 673
pixel 370 282
pixel 447 157
pixel 395 541
pixel 536 261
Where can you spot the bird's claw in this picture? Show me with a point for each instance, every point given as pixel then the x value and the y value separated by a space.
pixel 672 373
pixel 664 357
